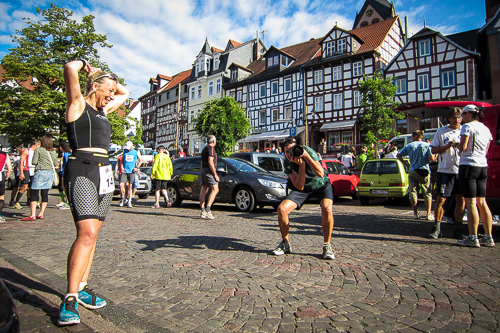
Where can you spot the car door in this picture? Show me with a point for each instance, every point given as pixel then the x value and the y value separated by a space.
pixel 227 181
pixel 344 179
pixel 333 175
pixel 189 179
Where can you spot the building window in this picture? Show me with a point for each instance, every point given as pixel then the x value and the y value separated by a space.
pixel 197 70
pixel 288 84
pixel 285 61
pixel 216 63
pixel 232 95
pixel 400 83
pixel 402 126
pixel 342 45
pixel 424 48
pixel 347 137
pixel 330 49
pixel 318 76
pixel 448 78
pixel 270 62
pixel 262 90
pixel 425 124
pixel 262 117
pixel 234 74
pixel 337 101
pixel 274 87
pixel 423 82
pixel 193 91
pixel 208 65
pixel 176 91
pixel 276 60
pixel 337 73
pixel 357 68
pixel 357 98
pixel 202 65
pixel 275 113
pixel 217 86
pixel 318 103
pixel 210 88
pixel 159 98
pixel 199 91
pixel 288 112
pixel 168 94
pixel 333 138
pixel 239 96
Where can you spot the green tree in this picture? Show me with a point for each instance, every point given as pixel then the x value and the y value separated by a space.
pixel 137 141
pixel 378 108
pixel 225 119
pixel 119 124
pixel 38 107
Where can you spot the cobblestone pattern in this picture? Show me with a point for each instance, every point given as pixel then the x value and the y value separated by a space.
pixel 185 274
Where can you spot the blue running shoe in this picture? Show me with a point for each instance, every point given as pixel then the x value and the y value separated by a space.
pixel 88 299
pixel 69 312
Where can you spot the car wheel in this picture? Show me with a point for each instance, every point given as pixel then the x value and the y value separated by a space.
pixel 244 199
pixel 355 196
pixel 143 196
pixel 174 195
pixel 364 201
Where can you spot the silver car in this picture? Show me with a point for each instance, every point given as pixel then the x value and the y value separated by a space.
pixel 144 187
pixel 242 183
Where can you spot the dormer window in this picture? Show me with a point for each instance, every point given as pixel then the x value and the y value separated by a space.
pixel 424 48
pixel 285 61
pixel 208 65
pixel 202 65
pixel 330 49
pixel 342 45
pixel 273 61
pixel 216 62
pixel 234 74
pixel 197 68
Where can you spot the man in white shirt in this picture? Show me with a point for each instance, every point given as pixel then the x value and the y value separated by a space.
pixel 444 145
pixel 347 160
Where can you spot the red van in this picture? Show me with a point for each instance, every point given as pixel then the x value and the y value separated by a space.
pixel 492 120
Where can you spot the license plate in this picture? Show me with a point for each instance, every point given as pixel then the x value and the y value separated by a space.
pixel 142 186
pixel 379 191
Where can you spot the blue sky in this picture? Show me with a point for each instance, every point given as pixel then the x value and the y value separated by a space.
pixel 151 37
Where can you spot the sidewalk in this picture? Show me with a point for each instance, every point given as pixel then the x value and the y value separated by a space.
pixel 167 270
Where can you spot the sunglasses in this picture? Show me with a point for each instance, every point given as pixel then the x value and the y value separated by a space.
pixel 111 76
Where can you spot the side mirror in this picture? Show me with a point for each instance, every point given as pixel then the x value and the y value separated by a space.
pixel 221 171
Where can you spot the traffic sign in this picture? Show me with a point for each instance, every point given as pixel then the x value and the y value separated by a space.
pixel 293 131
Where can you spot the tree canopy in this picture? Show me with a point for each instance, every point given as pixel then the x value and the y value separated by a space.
pixel 378 108
pixel 225 119
pixel 37 106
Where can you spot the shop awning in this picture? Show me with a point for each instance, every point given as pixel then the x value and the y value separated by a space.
pixel 338 125
pixel 270 136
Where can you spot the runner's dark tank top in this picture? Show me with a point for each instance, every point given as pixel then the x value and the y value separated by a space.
pixel 92 129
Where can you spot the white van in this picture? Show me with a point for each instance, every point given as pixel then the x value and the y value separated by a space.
pixel 403 140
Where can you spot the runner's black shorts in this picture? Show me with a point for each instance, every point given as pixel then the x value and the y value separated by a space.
pixel 159 184
pixel 127 178
pixel 473 181
pixel 445 183
pixel 207 178
pixel 300 197
pixel 2 187
pixel 24 181
pixel 81 181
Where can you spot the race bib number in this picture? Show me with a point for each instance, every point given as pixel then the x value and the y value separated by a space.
pixel 129 158
pixel 1 176
pixel 106 180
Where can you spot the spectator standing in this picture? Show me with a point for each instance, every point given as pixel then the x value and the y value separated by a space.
pixel 393 153
pixel 273 149
pixel 119 171
pixel 306 178
pixel 444 145
pixel 44 160
pixel 475 140
pixel 191 153
pixel 420 155
pixel 65 152
pixel 322 146
pixel 348 160
pixel 280 151
pixel 4 164
pixel 181 153
pixel 16 169
pixel 362 157
pixel 209 178
pixel 161 173
pixel 28 171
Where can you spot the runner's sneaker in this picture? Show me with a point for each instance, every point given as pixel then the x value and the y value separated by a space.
pixel 203 214
pixel 12 203
pixel 122 202
pixel 487 241
pixel 328 251
pixel 69 314
pixel 469 242
pixel 129 204
pixel 2 220
pixel 17 206
pixel 64 207
pixel 449 220
pixel 430 217
pixel 416 216
pixel 155 206
pixel 88 299
pixel 282 249
pixel 60 204
pixel 209 215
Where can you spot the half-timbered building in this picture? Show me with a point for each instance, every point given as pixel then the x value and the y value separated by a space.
pixel 148 110
pixel 272 92
pixel 331 78
pixel 431 67
pixel 171 113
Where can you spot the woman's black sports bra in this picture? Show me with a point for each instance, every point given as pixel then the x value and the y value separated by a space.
pixel 92 129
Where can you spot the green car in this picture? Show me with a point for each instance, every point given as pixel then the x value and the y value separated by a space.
pixel 383 178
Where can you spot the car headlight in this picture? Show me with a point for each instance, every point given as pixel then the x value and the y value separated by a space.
pixel 270 183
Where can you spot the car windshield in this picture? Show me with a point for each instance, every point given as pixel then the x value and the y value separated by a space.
pixel 145 151
pixel 244 166
pixel 381 167
pixel 147 170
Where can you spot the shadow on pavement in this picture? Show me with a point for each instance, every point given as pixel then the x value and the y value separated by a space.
pixel 200 242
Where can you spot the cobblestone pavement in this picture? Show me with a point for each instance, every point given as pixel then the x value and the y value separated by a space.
pixel 167 270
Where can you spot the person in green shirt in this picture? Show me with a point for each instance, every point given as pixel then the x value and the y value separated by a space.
pixel 306 178
pixel 161 173
pixel 361 158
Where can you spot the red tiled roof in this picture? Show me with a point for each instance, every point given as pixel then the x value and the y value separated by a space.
pixel 176 79
pixel 373 35
pixel 153 79
pixel 161 76
pixel 26 84
pixel 214 49
pixel 234 43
